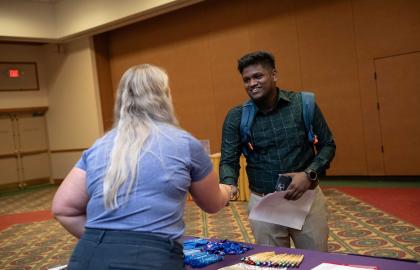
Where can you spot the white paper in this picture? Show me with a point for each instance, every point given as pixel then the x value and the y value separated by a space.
pixel 62 267
pixel 331 266
pixel 274 208
pixel 244 266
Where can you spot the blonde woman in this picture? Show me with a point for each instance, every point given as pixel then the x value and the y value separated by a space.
pixel 125 197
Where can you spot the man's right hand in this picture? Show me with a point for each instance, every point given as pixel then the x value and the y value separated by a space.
pixel 232 190
pixel 234 193
pixel 299 185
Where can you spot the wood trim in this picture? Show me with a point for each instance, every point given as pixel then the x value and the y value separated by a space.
pixel 36 181
pixel 24 110
pixel 33 152
pixel 58 181
pixel 25 43
pixel 8 155
pixel 23 184
pixel 67 150
pixel 393 55
pixel 9 186
pixel 23 153
pixel 371 178
pixel 19 90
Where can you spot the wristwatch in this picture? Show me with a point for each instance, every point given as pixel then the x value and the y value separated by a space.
pixel 312 175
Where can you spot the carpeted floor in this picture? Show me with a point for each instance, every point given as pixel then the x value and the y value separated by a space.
pixel 402 202
pixel 356 227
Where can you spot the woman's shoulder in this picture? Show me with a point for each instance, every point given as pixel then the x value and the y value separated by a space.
pixel 177 135
pixel 106 140
pixel 172 130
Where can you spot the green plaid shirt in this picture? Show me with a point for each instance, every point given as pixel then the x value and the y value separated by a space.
pixel 280 144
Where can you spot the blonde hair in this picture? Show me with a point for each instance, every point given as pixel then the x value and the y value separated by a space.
pixel 143 99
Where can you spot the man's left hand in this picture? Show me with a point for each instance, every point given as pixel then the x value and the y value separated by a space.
pixel 299 185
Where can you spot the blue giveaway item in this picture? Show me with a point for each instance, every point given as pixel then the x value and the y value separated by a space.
pixel 201 259
pixel 200 252
pixel 194 243
pixel 226 247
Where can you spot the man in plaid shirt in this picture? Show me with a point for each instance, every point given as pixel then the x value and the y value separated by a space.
pixel 278 145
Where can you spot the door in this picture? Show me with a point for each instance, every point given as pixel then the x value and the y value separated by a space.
pixel 33 147
pixel 24 155
pixel 8 151
pixel 398 89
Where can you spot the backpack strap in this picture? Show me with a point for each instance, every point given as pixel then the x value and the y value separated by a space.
pixel 308 108
pixel 248 114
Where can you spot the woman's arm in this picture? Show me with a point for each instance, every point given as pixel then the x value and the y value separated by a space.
pixel 70 201
pixel 209 195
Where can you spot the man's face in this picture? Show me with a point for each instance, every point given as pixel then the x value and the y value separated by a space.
pixel 259 82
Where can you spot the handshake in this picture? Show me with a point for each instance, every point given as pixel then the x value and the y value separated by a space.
pixel 231 191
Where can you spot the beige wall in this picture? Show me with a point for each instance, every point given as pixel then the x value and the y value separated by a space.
pixel 74 119
pixel 73 110
pixel 328 47
pixel 27 19
pixel 68 85
pixel 21 99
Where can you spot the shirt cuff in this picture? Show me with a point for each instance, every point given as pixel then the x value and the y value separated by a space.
pixel 229 181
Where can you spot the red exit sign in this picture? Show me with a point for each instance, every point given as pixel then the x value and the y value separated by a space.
pixel 14 73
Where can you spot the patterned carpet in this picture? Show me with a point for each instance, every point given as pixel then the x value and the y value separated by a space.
pixel 356 227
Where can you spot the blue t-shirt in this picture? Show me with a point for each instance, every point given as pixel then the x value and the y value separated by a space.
pixel 170 160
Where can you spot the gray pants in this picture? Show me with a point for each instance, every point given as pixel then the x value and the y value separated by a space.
pixel 110 249
pixel 314 233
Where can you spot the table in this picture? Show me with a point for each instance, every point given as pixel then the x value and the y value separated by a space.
pixel 314 258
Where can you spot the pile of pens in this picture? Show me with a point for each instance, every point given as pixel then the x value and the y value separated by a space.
pixel 270 259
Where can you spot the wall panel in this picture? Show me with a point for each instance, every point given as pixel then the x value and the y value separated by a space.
pixel 329 67
pixel 9 170
pixel 382 28
pixel 398 85
pixel 324 46
pixel 274 29
pixel 7 139
pixel 32 133
pixel 182 49
pixel 228 40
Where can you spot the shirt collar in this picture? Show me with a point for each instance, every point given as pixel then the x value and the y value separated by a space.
pixel 281 95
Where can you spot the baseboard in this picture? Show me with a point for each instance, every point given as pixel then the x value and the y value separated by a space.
pixel 404 178
pixel 24 184
pixel 58 181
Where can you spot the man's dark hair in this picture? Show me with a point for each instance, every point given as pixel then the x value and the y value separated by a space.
pixel 263 58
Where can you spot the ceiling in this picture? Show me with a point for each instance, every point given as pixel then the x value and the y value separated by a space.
pixel 57 21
